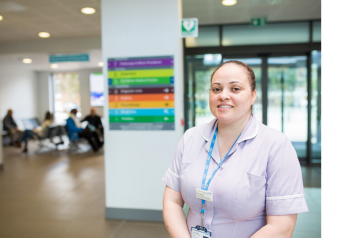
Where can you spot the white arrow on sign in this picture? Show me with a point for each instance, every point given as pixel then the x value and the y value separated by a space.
pixel 166 90
pixel 166 118
pixel 166 97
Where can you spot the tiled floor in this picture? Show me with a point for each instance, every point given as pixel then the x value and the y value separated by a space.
pixel 59 196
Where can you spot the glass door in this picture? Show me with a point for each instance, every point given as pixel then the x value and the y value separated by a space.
pixel 316 107
pixel 198 73
pixel 282 96
pixel 288 99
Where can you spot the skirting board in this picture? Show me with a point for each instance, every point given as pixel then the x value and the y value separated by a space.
pixel 133 214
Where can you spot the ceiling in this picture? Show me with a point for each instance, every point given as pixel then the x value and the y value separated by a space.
pixel 40 62
pixel 24 19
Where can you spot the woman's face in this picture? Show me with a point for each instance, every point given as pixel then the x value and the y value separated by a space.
pixel 231 96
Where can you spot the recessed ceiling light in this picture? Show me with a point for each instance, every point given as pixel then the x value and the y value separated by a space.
pixel 1 18
pixel 44 34
pixel 27 61
pixel 88 10
pixel 229 2
pixel 100 64
pixel 54 66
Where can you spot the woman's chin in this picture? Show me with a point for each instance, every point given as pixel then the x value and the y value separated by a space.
pixel 225 119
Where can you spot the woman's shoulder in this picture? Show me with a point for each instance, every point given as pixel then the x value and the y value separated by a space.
pixel 270 134
pixel 200 130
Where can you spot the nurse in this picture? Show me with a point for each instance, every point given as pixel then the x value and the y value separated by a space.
pixel 239 177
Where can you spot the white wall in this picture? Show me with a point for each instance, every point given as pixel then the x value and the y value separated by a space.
pixel 43 94
pixel 18 90
pixel 135 161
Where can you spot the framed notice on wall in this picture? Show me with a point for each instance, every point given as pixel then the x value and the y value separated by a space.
pixel 141 93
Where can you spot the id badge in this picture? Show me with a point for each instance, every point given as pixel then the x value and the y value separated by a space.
pixel 204 195
pixel 200 232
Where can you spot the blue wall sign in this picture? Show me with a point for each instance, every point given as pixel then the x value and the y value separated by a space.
pixel 69 58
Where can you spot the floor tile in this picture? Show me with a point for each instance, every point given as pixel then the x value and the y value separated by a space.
pixel 137 229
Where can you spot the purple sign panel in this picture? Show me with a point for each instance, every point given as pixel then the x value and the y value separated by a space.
pixel 141 63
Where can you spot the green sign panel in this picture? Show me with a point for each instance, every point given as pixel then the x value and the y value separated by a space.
pixel 259 21
pixel 189 27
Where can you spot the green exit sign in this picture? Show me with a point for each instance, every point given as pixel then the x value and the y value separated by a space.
pixel 258 21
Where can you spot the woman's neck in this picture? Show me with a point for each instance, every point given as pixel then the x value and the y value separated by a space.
pixel 233 130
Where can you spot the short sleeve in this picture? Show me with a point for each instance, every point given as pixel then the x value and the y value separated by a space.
pixel 284 190
pixel 172 175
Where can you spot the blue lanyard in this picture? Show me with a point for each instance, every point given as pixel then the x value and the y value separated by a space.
pixel 203 186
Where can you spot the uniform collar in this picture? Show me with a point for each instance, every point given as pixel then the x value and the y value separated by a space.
pixel 249 132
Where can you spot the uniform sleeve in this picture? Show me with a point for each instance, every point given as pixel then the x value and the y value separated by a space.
pixel 284 190
pixel 172 175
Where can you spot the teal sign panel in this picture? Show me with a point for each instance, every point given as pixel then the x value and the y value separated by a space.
pixel 69 58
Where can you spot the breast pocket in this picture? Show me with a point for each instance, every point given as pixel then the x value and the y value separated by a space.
pixel 251 197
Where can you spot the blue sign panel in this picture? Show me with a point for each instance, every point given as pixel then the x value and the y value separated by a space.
pixel 69 58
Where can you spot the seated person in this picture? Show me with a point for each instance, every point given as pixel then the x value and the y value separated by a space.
pixel 94 120
pixel 10 126
pixel 37 132
pixel 75 131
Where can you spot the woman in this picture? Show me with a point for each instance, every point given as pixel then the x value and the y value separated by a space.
pixel 75 131
pixel 252 186
pixel 37 132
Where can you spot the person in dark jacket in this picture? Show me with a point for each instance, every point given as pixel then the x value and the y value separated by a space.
pixel 10 126
pixel 95 120
pixel 75 131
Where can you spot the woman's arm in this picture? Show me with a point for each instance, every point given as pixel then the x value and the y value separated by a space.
pixel 277 227
pixel 174 217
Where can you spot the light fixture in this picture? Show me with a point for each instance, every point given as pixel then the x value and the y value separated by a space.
pixel 1 18
pixel 88 10
pixel 229 2
pixel 100 64
pixel 27 61
pixel 44 34
pixel 54 66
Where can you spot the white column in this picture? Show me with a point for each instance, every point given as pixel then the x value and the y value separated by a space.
pixel 135 161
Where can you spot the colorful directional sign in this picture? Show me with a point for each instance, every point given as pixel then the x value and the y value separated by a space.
pixel 141 93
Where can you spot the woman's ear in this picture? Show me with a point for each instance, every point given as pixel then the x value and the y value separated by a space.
pixel 254 97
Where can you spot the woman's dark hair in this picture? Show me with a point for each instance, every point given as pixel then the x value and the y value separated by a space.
pixel 48 116
pixel 74 111
pixel 250 72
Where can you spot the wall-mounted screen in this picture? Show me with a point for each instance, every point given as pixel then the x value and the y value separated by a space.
pixel 96 90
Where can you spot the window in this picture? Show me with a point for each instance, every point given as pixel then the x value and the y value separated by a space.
pixel 66 95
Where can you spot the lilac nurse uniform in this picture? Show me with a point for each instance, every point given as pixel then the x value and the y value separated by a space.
pixel 261 176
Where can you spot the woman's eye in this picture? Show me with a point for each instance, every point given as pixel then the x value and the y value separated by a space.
pixel 235 89
pixel 216 89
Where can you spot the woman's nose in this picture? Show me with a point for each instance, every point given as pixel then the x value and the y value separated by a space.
pixel 224 95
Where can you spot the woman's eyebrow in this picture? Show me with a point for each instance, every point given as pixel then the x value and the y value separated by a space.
pixel 217 83
pixel 234 82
